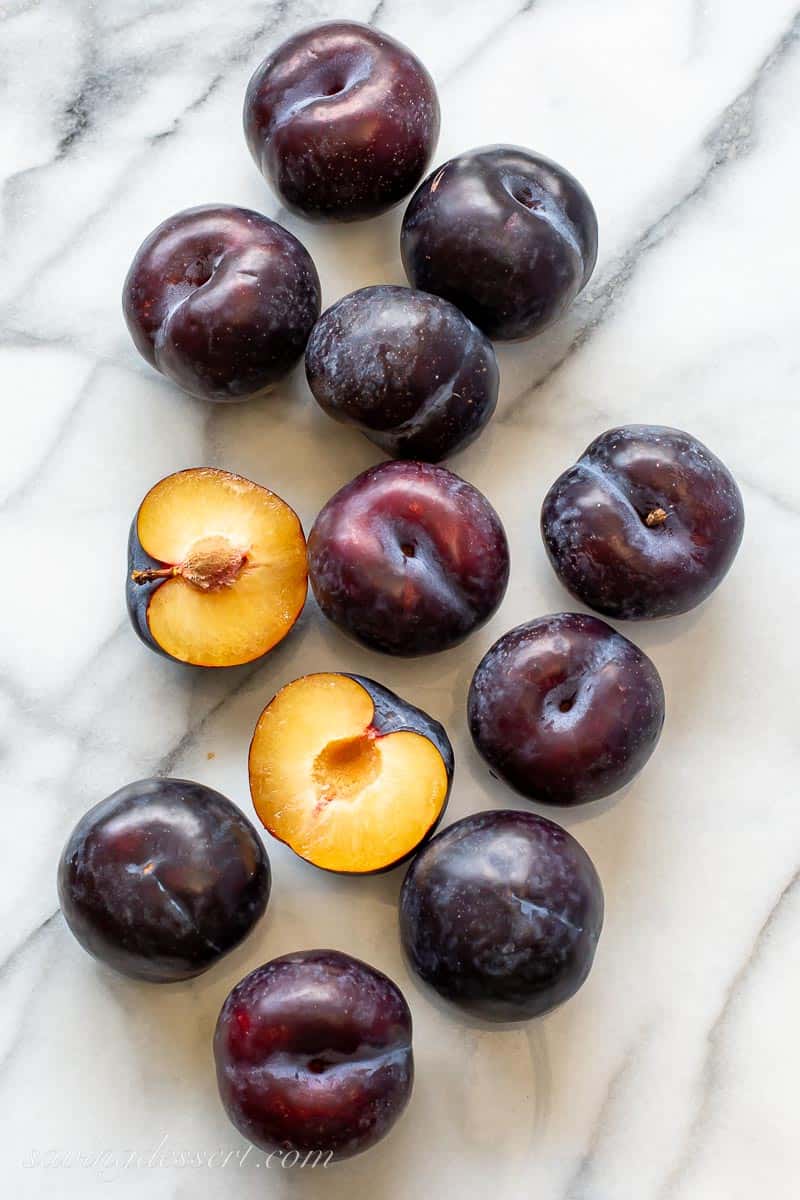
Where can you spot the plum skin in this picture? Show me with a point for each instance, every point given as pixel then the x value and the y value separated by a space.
pixel 646 524
pixel 137 595
pixel 506 235
pixel 501 914
pixel 342 120
pixel 406 368
pixel 313 1053
pixel 393 714
pixel 565 709
pixel 408 558
pixel 163 878
pixel 221 300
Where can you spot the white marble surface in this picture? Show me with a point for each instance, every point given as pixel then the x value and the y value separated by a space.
pixel 673 1074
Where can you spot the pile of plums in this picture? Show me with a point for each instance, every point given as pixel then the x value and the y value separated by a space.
pixel 502 911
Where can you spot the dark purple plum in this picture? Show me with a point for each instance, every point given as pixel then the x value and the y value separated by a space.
pixel 342 120
pixel 506 235
pixel 565 709
pixel 406 368
pixel 163 878
pixel 645 524
pixel 408 558
pixel 501 914
pixel 313 1053
pixel 221 300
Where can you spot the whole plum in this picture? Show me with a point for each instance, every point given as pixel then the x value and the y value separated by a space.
pixel 163 878
pixel 221 300
pixel 506 235
pixel 501 914
pixel 565 709
pixel 408 558
pixel 646 524
pixel 342 120
pixel 406 368
pixel 313 1054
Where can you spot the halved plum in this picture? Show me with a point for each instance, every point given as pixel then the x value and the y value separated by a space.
pixel 216 568
pixel 348 775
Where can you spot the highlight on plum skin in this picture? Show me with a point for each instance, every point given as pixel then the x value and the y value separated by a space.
pixel 162 879
pixel 408 558
pixel 646 523
pixel 406 368
pixel 221 300
pixel 342 120
pixel 501 914
pixel 217 571
pixel 350 776
pixel 565 709
pixel 505 234
pixel 313 1054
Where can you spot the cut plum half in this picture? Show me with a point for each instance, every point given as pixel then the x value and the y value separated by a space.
pixel 348 775
pixel 217 568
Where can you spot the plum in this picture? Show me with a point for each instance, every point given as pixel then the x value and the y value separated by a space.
pixel 506 235
pixel 342 120
pixel 351 776
pixel 313 1053
pixel 408 558
pixel 406 368
pixel 501 914
pixel 221 300
pixel 565 709
pixel 646 524
pixel 163 878
pixel 216 568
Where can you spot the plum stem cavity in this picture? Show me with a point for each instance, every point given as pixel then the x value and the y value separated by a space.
pixel 347 765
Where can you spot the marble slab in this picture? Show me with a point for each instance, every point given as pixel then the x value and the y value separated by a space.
pixel 673 1074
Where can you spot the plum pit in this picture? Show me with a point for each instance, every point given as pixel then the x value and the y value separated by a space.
pixel 212 563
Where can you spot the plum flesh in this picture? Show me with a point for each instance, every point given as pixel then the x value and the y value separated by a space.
pixel 501 914
pixel 163 878
pixel 408 558
pixel 565 709
pixel 646 524
pixel 406 368
pixel 342 120
pixel 313 1053
pixel 506 235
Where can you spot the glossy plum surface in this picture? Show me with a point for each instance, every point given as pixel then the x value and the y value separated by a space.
pixel 313 1053
pixel 406 368
pixel 221 300
pixel 342 120
pixel 645 524
pixel 565 709
pixel 408 558
pixel 501 913
pixel 163 878
pixel 506 235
